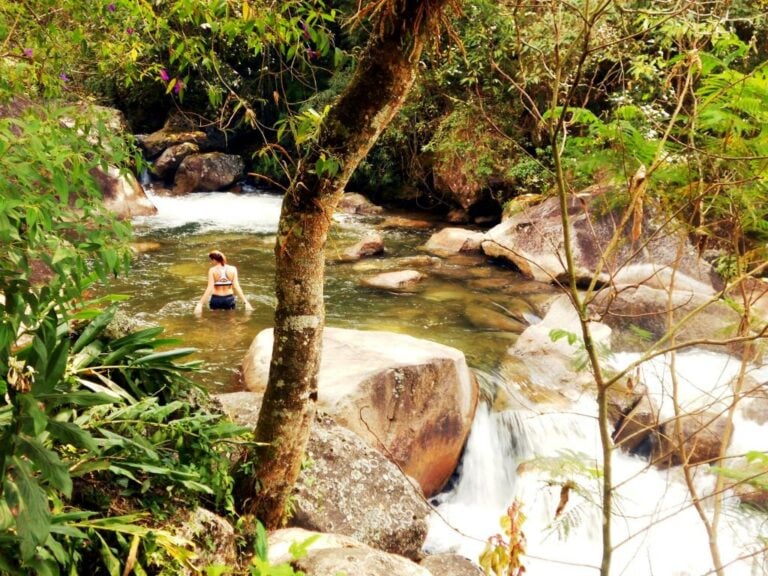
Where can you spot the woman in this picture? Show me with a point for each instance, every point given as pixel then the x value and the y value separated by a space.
pixel 222 286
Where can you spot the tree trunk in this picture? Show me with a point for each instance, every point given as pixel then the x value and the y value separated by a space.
pixel 384 76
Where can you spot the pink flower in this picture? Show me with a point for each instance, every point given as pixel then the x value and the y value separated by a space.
pixel 129 31
pixel 111 7
pixel 28 52
pixel 178 87
pixel 164 75
pixel 63 77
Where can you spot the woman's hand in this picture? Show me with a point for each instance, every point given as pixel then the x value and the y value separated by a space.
pixel 248 307
pixel 198 309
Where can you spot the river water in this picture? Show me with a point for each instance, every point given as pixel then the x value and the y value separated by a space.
pixel 458 305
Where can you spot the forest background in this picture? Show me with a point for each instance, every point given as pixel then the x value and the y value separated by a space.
pixel 533 97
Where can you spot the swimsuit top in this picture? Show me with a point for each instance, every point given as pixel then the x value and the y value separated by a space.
pixel 222 280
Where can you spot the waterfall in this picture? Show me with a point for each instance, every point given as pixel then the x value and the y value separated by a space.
pixel 204 212
pixel 528 454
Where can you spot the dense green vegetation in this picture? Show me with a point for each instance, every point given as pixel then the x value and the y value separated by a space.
pixel 92 420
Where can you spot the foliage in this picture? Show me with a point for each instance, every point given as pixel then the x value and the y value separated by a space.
pixel 502 554
pixel 89 429
pixel 58 239
pixel 225 58
pixel 754 473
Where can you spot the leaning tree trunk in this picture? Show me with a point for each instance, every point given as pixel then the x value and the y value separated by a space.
pixel 384 76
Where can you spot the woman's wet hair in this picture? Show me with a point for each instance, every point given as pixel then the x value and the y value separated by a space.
pixel 218 256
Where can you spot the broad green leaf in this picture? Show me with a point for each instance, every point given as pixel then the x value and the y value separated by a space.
pixel 93 329
pixel 47 461
pixel 110 560
pixel 167 355
pixel 33 517
pixel 79 398
pixel 70 433
pixel 33 418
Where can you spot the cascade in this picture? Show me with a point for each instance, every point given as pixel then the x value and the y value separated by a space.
pixel 528 454
pixel 201 212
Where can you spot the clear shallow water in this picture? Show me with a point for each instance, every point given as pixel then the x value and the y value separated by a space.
pixel 452 306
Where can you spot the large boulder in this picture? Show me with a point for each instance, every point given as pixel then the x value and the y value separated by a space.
pixel 412 399
pixel 167 163
pixel 122 193
pixel 354 203
pixel 348 487
pixel 655 311
pixel 544 360
pixel 207 172
pixel 532 240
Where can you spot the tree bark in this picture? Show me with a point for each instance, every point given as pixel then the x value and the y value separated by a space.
pixel 384 76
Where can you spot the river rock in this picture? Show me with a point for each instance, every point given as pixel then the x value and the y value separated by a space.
pixel 701 434
pixel 333 554
pixel 454 240
pixel 412 399
pixel 347 487
pixel 213 538
pixel 172 156
pixel 655 311
pixel 450 565
pixel 532 240
pixel 403 222
pixel 486 318
pixel 153 144
pixel 207 172
pixel 635 431
pixel 354 203
pixel 362 561
pixel 398 281
pixel 550 366
pixel 352 489
pixel 122 193
pixel 371 245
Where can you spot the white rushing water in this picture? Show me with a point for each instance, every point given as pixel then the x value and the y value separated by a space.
pixel 525 455
pixel 253 211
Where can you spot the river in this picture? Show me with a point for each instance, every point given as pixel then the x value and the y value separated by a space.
pixel 655 525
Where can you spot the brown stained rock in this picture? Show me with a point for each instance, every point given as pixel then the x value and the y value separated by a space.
pixel 453 241
pixel 207 172
pixel 532 240
pixel 412 399
pixel 172 156
pixel 122 193
pixel 371 245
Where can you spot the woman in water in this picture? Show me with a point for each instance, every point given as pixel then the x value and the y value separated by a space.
pixel 222 286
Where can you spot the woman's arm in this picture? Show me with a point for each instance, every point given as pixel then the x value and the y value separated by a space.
pixel 239 291
pixel 206 294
